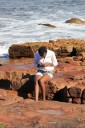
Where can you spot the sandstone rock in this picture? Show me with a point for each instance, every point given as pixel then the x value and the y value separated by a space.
pixel 62 48
pixel 24 82
pixel 2 94
pixel 18 51
pixel 25 50
pixel 75 20
pixel 82 63
pixel 74 92
pixel 70 70
pixel 26 113
pixel 83 55
pixel 62 51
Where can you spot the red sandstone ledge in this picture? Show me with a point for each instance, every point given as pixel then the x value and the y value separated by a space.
pixel 17 106
pixel 61 47
pixel 69 74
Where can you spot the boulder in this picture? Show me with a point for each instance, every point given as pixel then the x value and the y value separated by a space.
pixel 18 51
pixel 71 69
pixel 24 50
pixel 62 47
pixel 22 81
pixel 75 21
pixel 67 76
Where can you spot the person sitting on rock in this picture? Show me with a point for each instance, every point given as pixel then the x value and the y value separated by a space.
pixel 45 60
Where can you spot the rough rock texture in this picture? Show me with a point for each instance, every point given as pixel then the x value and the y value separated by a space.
pixel 49 114
pixel 23 80
pixel 17 106
pixel 70 73
pixel 60 47
pixel 76 21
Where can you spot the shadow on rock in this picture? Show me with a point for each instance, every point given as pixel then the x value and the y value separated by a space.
pixel 23 84
pixel 5 84
pixel 61 95
pixel 28 87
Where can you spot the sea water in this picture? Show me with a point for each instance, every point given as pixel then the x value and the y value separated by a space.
pixel 20 19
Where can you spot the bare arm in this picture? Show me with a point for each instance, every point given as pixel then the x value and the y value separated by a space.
pixel 47 64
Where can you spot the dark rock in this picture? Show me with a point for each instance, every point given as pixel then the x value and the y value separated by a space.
pixel 48 25
pixel 74 92
pixel 18 51
pixel 61 95
pixel 1 64
pixel 62 51
pixel 73 53
pixel 5 84
pixel 83 97
pixel 76 100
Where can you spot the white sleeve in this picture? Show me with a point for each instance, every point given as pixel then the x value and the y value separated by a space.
pixel 54 60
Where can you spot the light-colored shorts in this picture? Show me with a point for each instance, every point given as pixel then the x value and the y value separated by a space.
pixel 44 73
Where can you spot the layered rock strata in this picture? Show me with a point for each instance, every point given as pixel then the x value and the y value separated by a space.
pixel 61 48
pixel 69 76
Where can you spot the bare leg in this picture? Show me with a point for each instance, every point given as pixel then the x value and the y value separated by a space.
pixel 37 77
pixel 42 82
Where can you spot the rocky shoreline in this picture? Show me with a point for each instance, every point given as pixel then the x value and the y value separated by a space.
pixel 67 87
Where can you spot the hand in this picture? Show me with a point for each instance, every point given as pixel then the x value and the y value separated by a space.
pixel 47 64
pixel 55 70
pixel 40 65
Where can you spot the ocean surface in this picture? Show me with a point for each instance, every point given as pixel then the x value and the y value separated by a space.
pixel 20 19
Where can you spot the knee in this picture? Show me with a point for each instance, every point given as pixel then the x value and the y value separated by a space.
pixel 40 81
pixel 35 80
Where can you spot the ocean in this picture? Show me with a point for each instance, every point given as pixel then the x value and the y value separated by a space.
pixel 20 19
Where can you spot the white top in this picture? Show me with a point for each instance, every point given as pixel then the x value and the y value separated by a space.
pixel 50 57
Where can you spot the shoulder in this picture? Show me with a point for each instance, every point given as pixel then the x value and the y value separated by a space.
pixel 50 51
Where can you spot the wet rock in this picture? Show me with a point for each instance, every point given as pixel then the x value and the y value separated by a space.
pixel 75 20
pixel 48 25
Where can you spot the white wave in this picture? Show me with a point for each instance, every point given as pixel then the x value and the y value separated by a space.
pixel 22 25
pixel 3 50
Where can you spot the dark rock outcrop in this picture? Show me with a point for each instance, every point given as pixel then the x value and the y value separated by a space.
pixel 48 25
pixel 18 51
